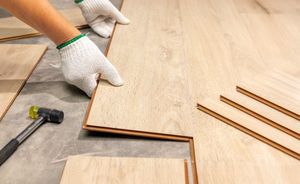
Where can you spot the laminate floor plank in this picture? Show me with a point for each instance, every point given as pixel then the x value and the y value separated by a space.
pixel 13 28
pixel 17 62
pixel 264 113
pixel 156 97
pixel 96 170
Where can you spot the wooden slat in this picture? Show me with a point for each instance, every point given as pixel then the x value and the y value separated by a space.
pixel 96 170
pixel 251 126
pixel 12 28
pixel 17 62
pixel 264 113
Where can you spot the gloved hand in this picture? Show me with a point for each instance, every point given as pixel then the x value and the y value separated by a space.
pixel 82 62
pixel 101 15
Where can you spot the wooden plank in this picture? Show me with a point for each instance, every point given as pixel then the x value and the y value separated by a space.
pixel 12 28
pixel 160 105
pixel 278 95
pixel 251 126
pixel 17 63
pixel 263 113
pixel 96 170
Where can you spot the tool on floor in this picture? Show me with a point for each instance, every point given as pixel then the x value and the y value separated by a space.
pixel 41 116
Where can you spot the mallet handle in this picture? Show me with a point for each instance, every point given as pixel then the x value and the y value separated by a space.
pixel 12 146
pixel 8 150
pixel 30 129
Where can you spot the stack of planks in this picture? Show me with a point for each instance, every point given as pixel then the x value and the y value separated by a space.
pixel 271 110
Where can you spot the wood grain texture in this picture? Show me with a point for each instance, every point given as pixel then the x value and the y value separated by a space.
pixel 267 6
pixel 156 96
pixel 96 170
pixel 251 126
pixel 217 45
pixel 282 94
pixel 260 42
pixel 263 113
pixel 12 28
pixel 17 63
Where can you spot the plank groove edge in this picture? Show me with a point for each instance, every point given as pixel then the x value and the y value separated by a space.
pixel 259 117
pixel 267 102
pixel 137 133
pixel 186 173
pixel 248 131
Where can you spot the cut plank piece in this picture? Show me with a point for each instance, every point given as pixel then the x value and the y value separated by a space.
pixel 252 126
pixel 264 113
pixel 282 95
pixel 17 63
pixel 96 170
pixel 12 28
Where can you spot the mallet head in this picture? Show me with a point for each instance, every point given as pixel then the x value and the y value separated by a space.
pixel 50 115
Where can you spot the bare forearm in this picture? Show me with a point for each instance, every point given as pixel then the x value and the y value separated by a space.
pixel 42 16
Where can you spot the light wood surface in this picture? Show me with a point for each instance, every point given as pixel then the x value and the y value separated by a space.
pixel 108 170
pixel 267 6
pixel 17 62
pixel 12 28
pixel 251 126
pixel 263 113
pixel 177 53
pixel 277 93
pixel 156 96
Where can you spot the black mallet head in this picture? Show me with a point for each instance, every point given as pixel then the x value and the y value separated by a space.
pixel 50 115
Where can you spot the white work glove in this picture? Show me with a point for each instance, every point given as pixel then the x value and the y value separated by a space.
pixel 82 62
pixel 101 15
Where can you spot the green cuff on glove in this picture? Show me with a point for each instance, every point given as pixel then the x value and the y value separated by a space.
pixel 70 41
pixel 78 1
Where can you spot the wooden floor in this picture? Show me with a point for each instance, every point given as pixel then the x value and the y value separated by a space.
pixel 16 64
pixel 101 170
pixel 177 53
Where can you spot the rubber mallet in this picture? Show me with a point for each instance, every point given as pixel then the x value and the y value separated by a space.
pixel 41 116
